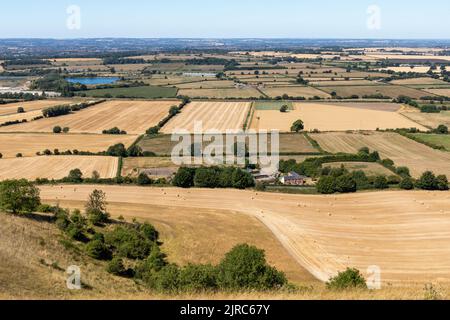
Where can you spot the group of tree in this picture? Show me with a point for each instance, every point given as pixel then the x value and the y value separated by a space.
pixel 213 177
pixel 58 129
pixel 114 130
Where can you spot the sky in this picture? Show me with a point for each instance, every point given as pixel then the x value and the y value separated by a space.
pixel 358 19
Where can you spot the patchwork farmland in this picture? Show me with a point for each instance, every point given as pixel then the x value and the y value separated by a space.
pixel 403 151
pixel 135 117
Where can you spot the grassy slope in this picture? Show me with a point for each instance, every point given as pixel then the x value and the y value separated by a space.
pixel 145 92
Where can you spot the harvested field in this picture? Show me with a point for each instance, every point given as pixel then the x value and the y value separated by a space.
pixel 431 120
pixel 133 166
pixel 37 105
pixel 440 92
pixel 416 81
pixel 342 83
pixel 406 234
pixel 56 167
pixel 144 92
pixel 30 143
pixel 417 69
pixel 221 93
pixel 370 169
pixel 403 151
pixel 294 91
pixel 327 117
pixel 206 84
pixel 133 116
pixel 392 91
pixel 219 116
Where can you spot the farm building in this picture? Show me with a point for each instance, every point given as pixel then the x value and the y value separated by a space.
pixel 293 178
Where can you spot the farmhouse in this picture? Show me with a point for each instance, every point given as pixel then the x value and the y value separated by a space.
pixel 293 178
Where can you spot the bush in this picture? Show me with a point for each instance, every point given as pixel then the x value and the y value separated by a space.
pixel 117 150
pixel 66 129
pixel 97 249
pixel 297 126
pixel 57 129
pixel 245 267
pixel 116 267
pixel 20 110
pixel 56 111
pixel 326 185
pixel 114 130
pixel 442 182
pixel 348 279
pixel 427 181
pixel 442 129
pixel 196 278
pixel 407 184
pixel 403 172
pixel 135 151
pixel 345 184
pixel 380 182
pixel 19 196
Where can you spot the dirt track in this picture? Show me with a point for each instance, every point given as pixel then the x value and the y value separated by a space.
pixel 406 234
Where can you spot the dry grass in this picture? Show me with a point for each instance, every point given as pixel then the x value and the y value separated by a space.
pixel 132 166
pixel 439 92
pixel 414 81
pixel 219 116
pixel 29 143
pixel 294 91
pixel 56 167
pixel 403 151
pixel 207 84
pixel 133 116
pixel 329 117
pixel 406 234
pixel 431 120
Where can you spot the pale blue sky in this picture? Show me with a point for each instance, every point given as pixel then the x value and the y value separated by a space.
pixel 226 19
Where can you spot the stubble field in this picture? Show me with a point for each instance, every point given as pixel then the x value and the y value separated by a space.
pixel 133 116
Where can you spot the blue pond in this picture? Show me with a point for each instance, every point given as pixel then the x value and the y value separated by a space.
pixel 93 81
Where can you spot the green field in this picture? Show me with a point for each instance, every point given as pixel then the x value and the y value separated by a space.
pixel 272 105
pixel 144 92
pixel 434 139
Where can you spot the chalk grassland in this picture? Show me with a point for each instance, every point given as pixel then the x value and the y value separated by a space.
pixel 440 92
pixel 289 143
pixel 144 92
pixel 404 233
pixel 299 91
pixel 403 151
pixel 392 91
pixel 56 167
pixel 431 120
pixel 221 93
pixel 219 116
pixel 371 169
pixel 29 143
pixel 436 139
pixel 135 117
pixel 328 117
pixel 11 108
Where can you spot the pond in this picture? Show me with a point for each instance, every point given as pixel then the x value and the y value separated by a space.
pixel 94 81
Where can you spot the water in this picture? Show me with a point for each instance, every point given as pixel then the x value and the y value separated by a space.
pixel 93 81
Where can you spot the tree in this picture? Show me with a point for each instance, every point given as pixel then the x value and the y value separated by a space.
pixel 403 171
pixel 242 179
pixel 380 182
pixel 116 267
pixel 117 150
pixel 19 196
pixel 297 126
pixel 95 175
pixel 57 129
pixel 20 110
pixel 97 249
pixel 284 108
pixel 184 177
pixel 326 185
pixel 245 267
pixel 442 182
pixel 345 184
pixel 442 129
pixel 135 151
pixel 143 179
pixel 96 207
pixel 350 278
pixel 153 130
pixel 75 176
pixel 66 129
pixel 407 184
pixel 427 181
pixel 174 110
